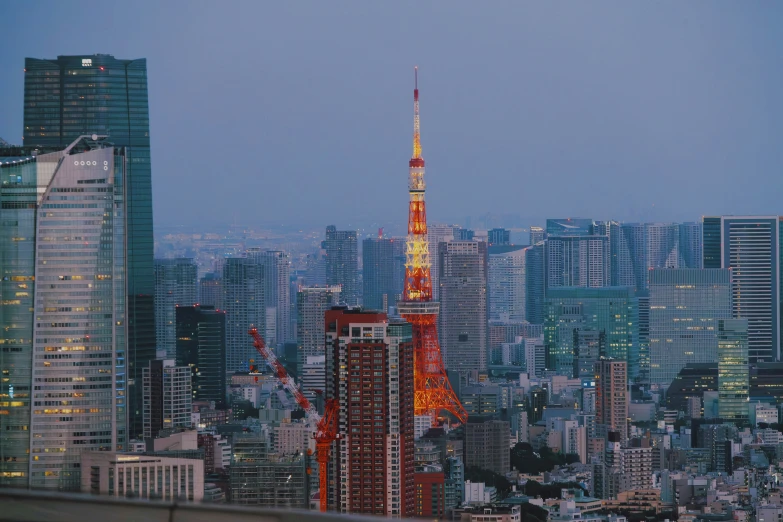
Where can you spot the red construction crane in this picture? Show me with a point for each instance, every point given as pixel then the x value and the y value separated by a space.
pixel 326 427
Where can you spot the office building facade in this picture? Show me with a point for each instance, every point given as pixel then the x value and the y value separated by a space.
pixel 245 306
pixel 437 234
pixel 370 364
pixel 383 271
pixel 175 285
pixel 610 312
pixel 342 263
pixel 685 307
pixel 751 247
pixel 210 290
pixel 72 96
pixel 277 294
pixel 733 370
pixel 168 397
pixel 201 346
pixel 487 444
pixel 63 256
pixel 311 304
pixel 462 322
pixel 506 284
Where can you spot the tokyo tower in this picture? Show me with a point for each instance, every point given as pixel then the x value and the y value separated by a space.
pixel 433 393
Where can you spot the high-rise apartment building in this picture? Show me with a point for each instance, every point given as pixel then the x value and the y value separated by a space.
pixel 663 245
pixel 463 299
pixel 498 237
pixel 577 261
pixel 733 371
pixel 210 290
pixel 244 302
pixel 609 311
pixel 64 314
pixel 437 234
pixel 535 278
pixel 201 346
pixel 311 304
pixel 685 307
pixel 486 444
pixel 751 247
pixel 628 255
pixel 370 364
pixel 383 270
pixel 537 234
pixel 72 96
pixel 277 294
pixel 691 245
pixel 168 397
pixel 342 263
pixel 175 285
pixel 506 283
pixel 611 396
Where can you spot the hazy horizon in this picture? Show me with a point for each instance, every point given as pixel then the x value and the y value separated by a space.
pixel 300 114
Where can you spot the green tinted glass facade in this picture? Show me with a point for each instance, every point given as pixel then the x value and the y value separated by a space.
pixel 98 94
pixel 610 311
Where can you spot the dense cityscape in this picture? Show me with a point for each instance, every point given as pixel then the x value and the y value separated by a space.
pixel 492 370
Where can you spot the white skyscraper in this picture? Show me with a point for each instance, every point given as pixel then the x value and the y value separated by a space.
pixel 63 253
pixel 244 302
pixel 577 261
pixel 507 283
pixel 437 234
pixel 463 321
pixel 311 304
pixel 277 294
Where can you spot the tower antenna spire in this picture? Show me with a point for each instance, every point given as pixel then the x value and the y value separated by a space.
pixel 433 394
pixel 416 124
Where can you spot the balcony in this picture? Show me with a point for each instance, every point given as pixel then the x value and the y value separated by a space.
pixel 46 506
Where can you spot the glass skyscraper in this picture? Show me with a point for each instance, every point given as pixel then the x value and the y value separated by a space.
pixel 733 370
pixel 383 270
pixel 175 285
pixel 685 307
pixel 342 263
pixel 63 314
pixel 506 283
pixel 70 96
pixel 751 247
pixel 610 311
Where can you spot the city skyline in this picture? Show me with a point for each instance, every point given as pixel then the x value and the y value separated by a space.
pixel 521 103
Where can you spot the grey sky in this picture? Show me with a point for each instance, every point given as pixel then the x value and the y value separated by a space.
pixel 300 112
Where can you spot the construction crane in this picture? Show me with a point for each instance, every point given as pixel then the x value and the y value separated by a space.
pixel 326 430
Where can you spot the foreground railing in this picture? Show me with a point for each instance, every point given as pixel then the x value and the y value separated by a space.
pixel 43 506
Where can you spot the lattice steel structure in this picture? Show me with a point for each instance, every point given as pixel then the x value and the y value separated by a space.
pixel 433 393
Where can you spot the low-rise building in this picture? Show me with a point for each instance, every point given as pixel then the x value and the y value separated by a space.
pixel 130 474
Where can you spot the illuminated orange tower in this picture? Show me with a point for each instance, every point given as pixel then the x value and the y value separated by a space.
pixel 433 392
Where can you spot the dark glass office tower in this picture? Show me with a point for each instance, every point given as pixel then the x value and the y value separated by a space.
pixel 383 263
pixel 201 344
pixel 70 96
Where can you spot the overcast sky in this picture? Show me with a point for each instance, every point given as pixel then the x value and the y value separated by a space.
pixel 300 112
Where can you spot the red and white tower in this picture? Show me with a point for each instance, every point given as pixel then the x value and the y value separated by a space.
pixel 433 392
